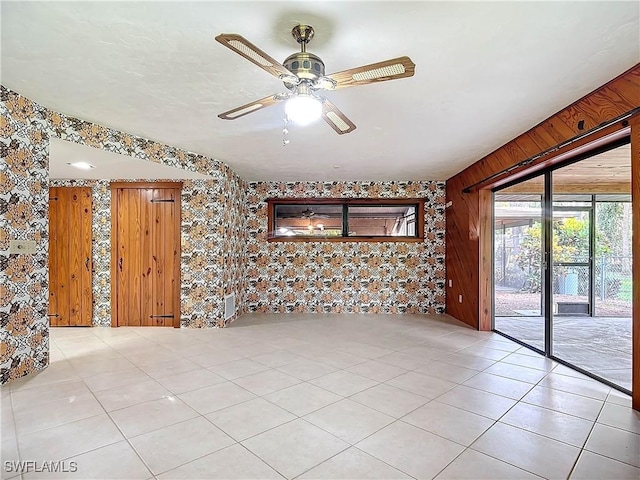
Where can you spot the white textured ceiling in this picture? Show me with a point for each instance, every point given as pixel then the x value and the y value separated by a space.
pixel 485 72
pixel 108 165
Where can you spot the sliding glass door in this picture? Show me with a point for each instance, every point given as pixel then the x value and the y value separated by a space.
pixel 591 324
pixel 518 261
pixel 562 264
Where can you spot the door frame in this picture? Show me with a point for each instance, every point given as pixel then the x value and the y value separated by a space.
pixel 114 186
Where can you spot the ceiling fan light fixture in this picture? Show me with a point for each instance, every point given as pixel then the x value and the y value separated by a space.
pixel 324 83
pixel 303 109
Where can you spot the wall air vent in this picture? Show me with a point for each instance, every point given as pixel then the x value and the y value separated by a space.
pixel 229 306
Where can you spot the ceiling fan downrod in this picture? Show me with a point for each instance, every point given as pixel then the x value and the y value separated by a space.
pixel 303 35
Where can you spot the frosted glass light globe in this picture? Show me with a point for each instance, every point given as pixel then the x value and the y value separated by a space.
pixel 303 109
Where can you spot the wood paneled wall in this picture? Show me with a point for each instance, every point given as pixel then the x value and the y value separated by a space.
pixel 467 225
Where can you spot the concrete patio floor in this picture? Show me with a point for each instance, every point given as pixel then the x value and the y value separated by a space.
pixel 600 345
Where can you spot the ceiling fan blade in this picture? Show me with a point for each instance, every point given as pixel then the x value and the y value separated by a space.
pixel 336 119
pixel 251 107
pixel 248 50
pixel 400 67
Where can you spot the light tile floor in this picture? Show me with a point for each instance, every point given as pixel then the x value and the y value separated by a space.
pixel 313 396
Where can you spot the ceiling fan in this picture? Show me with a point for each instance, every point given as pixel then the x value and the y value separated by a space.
pixel 306 213
pixel 303 73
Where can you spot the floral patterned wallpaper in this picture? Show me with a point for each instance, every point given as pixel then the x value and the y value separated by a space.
pixel 234 245
pixel 24 175
pixel 224 247
pixel 212 257
pixel 211 248
pixel 353 277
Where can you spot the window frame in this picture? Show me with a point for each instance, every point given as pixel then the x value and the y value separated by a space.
pixel 345 203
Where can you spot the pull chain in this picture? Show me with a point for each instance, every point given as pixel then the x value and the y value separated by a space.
pixel 285 132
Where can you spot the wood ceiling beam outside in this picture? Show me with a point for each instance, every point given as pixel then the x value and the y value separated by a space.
pixel 582 188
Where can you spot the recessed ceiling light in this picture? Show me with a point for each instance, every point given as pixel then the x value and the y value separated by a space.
pixel 336 166
pixel 81 165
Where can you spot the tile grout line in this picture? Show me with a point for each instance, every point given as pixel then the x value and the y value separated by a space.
pixel 263 461
pixel 121 433
pixel 342 451
pixel 488 455
pixel 531 432
pixel 582 449
pixel 237 442
pixel 138 454
pixel 15 429
pixel 607 456
pixel 92 416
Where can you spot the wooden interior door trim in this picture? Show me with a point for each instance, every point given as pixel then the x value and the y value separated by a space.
pixel 176 260
pixel 118 218
pixel 485 272
pixel 86 267
pixel 114 257
pixel 55 303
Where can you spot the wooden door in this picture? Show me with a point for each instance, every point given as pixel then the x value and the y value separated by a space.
pixel 70 260
pixel 146 254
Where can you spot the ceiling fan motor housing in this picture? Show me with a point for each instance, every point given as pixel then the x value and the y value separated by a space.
pixel 305 65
